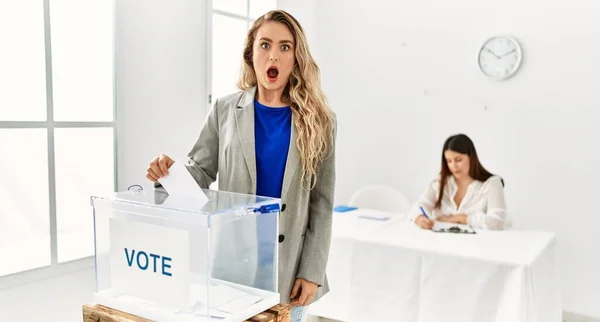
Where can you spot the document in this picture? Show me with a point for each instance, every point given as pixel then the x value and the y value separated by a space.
pixel 240 304
pixel 375 216
pixel 223 298
pixel 447 227
pixel 180 184
pixel 219 294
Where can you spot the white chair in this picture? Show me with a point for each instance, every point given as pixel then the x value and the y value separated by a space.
pixel 379 197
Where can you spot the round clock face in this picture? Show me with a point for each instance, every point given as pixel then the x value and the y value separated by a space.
pixel 500 57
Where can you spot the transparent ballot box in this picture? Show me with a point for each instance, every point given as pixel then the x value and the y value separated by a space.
pixel 167 258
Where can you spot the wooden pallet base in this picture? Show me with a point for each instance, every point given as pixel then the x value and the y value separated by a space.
pixel 100 313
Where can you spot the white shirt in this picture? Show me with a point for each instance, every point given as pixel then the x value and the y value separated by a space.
pixel 483 203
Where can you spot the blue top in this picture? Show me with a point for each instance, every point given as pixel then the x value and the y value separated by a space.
pixel 272 131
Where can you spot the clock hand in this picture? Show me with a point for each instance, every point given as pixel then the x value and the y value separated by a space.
pixel 510 52
pixel 491 52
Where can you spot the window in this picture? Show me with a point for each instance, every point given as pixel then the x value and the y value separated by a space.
pixel 57 129
pixel 231 20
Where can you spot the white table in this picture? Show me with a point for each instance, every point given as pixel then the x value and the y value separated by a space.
pixel 395 271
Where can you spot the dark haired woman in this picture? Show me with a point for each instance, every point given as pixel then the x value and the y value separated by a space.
pixel 464 192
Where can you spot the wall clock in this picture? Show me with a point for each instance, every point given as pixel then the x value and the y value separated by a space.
pixel 500 57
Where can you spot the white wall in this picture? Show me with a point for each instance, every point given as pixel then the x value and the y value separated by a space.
pixel 402 76
pixel 305 12
pixel 161 81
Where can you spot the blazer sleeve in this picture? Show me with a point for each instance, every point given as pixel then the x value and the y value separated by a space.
pixel 315 253
pixel 203 159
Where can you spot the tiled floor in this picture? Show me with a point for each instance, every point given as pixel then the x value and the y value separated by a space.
pixel 567 317
pixel 570 317
pixel 77 289
pixel 319 319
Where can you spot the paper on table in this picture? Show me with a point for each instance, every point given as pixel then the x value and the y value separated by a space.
pixel 200 310
pixel 224 300
pixel 439 226
pixel 375 216
pixel 180 183
pixel 240 304
pixel 219 294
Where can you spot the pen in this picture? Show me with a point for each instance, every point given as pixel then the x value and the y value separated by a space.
pixel 424 214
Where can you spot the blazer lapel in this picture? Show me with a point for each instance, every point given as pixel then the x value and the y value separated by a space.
pixel 244 119
pixel 293 160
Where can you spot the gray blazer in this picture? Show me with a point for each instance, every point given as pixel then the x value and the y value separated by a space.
pixel 226 146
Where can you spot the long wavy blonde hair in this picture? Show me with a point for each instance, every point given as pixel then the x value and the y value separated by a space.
pixel 314 120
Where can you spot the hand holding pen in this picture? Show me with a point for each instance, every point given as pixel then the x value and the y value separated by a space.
pixel 423 220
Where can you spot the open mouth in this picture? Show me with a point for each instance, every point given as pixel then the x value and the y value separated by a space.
pixel 272 73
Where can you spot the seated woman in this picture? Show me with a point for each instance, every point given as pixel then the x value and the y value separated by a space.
pixel 464 192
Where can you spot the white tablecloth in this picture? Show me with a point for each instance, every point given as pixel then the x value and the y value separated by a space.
pixel 394 271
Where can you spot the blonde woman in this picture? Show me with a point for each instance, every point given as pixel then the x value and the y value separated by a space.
pixel 276 137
